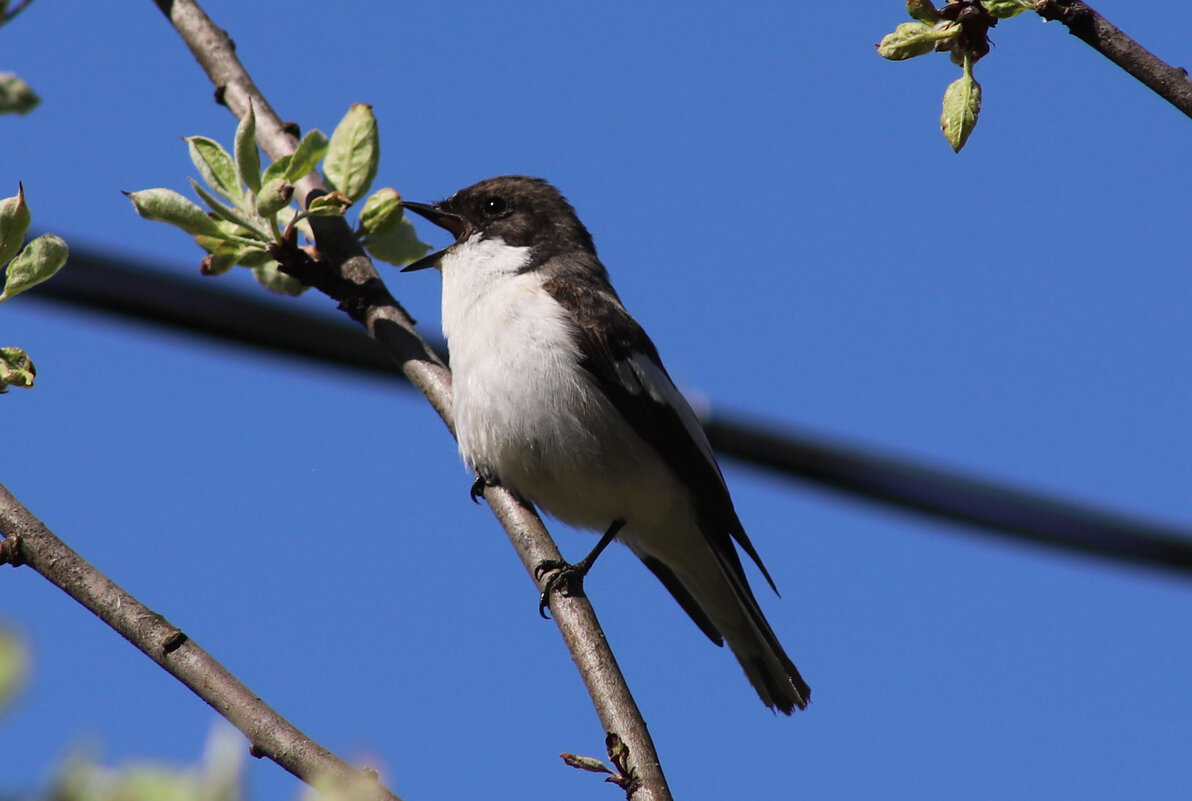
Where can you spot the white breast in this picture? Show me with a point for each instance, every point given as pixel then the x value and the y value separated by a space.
pixel 523 405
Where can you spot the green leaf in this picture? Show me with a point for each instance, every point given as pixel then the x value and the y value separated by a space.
pixel 248 158
pixel 277 169
pixel 166 205
pixel 15 95
pixel 398 248
pixel 1005 9
pixel 14 663
pixel 275 195
pixel 333 204
pixel 216 167
pixel 14 223
pixel 38 262
pixel 382 212
pixel 209 243
pixel 590 764
pixel 229 254
pixel 355 152
pixel 248 223
pixel 273 279
pixel 962 104
pixel 253 256
pixel 16 369
pixel 912 39
pixel 220 260
pixel 306 157
pixel 922 10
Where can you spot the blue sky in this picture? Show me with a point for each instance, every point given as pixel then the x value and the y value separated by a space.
pixel 778 209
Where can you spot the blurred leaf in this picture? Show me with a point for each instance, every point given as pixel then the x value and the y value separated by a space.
pixel 216 167
pixel 248 158
pixel 355 152
pixel 16 97
pixel 962 104
pixel 38 262
pixel 382 212
pixel 398 248
pixel 16 369
pixel 218 778
pixel 223 763
pixel 14 657
pixel 306 157
pixel 362 787
pixel 166 205
pixel 14 223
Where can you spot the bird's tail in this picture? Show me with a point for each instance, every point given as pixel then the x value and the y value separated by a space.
pixel 711 586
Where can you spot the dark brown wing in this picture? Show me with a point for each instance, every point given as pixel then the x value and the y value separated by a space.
pixel 625 366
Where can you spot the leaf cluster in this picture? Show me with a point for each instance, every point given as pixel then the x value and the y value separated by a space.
pixel 251 210
pixel 960 28
pixel 23 268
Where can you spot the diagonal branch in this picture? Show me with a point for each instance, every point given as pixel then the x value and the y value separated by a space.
pixel 28 542
pixel 348 276
pixel 1170 83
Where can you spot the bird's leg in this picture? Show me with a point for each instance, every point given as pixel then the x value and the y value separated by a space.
pixel 570 578
pixel 485 477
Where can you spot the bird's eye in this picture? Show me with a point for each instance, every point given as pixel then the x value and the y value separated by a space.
pixel 494 206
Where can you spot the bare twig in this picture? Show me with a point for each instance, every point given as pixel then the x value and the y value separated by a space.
pixel 1170 83
pixel 11 13
pixel 28 542
pixel 349 277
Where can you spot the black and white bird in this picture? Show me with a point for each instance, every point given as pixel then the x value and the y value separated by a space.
pixel 560 397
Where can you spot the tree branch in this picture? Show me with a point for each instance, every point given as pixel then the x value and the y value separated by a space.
pixel 28 542
pixel 1170 83
pixel 351 279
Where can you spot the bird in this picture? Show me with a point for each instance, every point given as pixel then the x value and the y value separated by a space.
pixel 560 397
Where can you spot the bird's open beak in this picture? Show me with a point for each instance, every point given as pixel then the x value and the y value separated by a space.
pixel 444 219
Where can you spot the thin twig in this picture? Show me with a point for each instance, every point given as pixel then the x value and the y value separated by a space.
pixel 11 13
pixel 354 283
pixel 1170 83
pixel 28 542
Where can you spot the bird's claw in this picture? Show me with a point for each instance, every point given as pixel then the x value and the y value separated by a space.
pixel 484 480
pixel 565 578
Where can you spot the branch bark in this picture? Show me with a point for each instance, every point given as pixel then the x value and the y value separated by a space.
pixel 349 277
pixel 27 541
pixel 1170 83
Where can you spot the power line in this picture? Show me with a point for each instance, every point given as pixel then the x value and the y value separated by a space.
pixel 113 286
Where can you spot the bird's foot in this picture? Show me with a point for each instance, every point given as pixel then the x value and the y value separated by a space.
pixel 566 578
pixel 485 478
pixel 570 578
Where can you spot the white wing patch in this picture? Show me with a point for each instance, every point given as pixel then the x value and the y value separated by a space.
pixel 640 374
